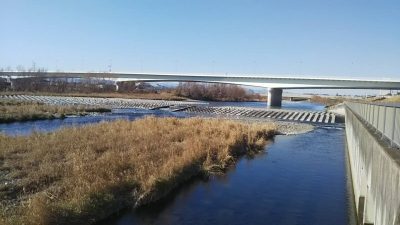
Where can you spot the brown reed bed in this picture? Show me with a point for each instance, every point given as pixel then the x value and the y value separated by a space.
pixel 13 111
pixel 82 175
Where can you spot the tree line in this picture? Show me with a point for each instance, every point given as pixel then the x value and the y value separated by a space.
pixel 192 90
pixel 214 92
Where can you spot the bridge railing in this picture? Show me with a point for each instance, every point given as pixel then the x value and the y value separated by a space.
pixel 384 118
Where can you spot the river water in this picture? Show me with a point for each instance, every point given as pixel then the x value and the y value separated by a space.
pixel 300 179
pixel 25 128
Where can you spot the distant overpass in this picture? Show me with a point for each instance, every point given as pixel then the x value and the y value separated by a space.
pixel 274 83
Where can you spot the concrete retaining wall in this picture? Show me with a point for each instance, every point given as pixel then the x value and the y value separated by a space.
pixel 375 171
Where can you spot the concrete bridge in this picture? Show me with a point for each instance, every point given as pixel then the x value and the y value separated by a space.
pixel 274 83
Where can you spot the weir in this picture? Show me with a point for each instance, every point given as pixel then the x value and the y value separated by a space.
pixel 373 134
pixel 186 106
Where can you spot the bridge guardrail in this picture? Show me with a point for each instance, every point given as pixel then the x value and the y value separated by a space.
pixel 385 119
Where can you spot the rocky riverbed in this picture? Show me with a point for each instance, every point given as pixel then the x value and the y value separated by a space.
pixel 284 127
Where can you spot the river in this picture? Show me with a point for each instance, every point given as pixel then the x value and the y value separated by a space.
pixel 25 128
pixel 300 179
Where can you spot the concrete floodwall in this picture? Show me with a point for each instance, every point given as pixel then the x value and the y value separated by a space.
pixel 375 170
pixel 384 118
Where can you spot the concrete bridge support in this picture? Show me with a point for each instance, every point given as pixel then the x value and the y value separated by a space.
pixel 275 97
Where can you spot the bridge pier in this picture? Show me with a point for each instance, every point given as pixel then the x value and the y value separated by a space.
pixel 274 97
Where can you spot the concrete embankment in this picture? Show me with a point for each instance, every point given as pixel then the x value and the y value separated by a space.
pixel 375 170
pixel 339 111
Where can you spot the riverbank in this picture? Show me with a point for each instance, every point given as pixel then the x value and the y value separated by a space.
pixel 161 95
pixel 16 111
pixel 282 127
pixel 327 101
pixel 168 95
pixel 82 175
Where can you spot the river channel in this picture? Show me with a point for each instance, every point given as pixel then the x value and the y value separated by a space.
pixel 300 179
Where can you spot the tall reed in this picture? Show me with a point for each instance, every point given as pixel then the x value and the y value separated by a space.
pixel 81 175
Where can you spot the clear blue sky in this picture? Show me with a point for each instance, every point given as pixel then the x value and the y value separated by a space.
pixel 320 38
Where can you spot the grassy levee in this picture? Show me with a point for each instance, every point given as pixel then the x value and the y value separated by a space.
pixel 13 111
pixel 327 101
pixel 82 175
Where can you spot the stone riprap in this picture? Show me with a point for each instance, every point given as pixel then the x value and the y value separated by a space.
pixel 276 114
pixel 103 102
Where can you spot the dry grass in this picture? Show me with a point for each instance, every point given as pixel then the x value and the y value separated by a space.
pixel 327 101
pixel 394 99
pixel 81 175
pixel 11 111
